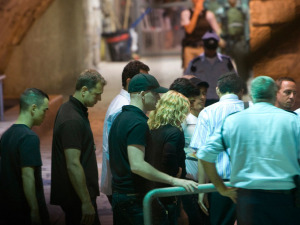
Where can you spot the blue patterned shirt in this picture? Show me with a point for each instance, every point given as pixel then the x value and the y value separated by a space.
pixel 209 120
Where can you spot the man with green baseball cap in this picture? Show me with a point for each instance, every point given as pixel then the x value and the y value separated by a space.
pixel 128 138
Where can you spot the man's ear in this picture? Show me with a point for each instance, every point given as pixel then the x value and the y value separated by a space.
pixel 33 108
pixel 83 90
pixel 127 83
pixel 218 91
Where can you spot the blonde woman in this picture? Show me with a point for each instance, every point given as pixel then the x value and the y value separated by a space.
pixel 166 149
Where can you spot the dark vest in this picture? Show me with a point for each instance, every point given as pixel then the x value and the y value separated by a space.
pixel 202 26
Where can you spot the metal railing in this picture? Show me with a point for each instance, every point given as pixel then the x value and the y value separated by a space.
pixel 173 191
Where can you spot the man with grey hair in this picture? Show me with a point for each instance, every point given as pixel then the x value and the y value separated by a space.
pixel 264 144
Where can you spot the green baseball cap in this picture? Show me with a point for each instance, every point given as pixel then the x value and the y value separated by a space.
pixel 145 82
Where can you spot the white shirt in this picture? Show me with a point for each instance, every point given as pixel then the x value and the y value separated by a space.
pixel 114 109
pixel 188 127
pixel 297 111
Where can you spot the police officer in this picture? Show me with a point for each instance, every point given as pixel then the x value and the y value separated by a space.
pixel 210 65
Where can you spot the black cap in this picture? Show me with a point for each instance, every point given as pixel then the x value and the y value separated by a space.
pixel 210 40
pixel 197 82
pixel 145 82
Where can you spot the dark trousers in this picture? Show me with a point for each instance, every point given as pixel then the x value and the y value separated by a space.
pixel 222 210
pixel 73 213
pixel 165 212
pixel 127 209
pixel 256 207
pixel 192 209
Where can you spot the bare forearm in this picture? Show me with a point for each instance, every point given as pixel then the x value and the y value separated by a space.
pixel 29 191
pixel 189 28
pixel 201 173
pixel 211 171
pixel 147 171
pixel 77 178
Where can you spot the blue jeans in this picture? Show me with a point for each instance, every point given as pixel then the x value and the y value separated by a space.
pixel 127 209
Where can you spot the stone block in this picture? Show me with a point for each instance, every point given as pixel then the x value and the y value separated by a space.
pixel 278 66
pixel 272 12
pixel 258 35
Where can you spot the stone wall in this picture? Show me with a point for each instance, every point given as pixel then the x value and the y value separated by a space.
pixel 56 48
pixel 275 39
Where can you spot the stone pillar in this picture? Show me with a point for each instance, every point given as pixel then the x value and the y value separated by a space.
pixel 275 39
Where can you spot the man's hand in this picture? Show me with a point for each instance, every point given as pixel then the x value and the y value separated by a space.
pixel 229 192
pixel 189 185
pixel 203 203
pixel 222 43
pixel 88 213
pixel 35 217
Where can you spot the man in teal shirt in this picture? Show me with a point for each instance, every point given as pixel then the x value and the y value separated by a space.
pixel 264 144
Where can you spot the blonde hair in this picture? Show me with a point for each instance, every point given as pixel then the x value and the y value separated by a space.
pixel 172 109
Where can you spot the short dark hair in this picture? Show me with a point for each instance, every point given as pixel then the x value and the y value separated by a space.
pixel 32 96
pixel 89 78
pixel 131 69
pixel 185 87
pixel 281 79
pixel 230 82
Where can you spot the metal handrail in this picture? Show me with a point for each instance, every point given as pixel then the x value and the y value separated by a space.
pixel 173 191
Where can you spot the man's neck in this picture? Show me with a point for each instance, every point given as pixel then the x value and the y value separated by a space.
pixel 223 94
pixel 78 96
pixel 25 119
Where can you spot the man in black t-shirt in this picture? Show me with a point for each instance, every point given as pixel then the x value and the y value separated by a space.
pixel 74 172
pixel 22 199
pixel 127 141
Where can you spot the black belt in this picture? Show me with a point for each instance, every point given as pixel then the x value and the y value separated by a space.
pixel 286 192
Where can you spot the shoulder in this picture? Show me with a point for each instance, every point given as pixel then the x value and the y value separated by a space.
pixel 173 132
pixel 209 15
pixel 197 59
pixel 225 57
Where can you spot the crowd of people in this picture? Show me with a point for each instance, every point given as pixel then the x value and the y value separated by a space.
pixel 254 145
pixel 197 131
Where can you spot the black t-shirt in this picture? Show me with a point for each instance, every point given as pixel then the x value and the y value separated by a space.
pixel 129 128
pixel 20 147
pixel 166 151
pixel 72 130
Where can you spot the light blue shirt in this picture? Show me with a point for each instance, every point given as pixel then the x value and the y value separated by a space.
pixel 113 111
pixel 264 146
pixel 297 111
pixel 209 120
